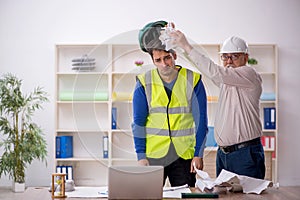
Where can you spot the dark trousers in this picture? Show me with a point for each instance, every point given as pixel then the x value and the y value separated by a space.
pixel 248 161
pixel 175 168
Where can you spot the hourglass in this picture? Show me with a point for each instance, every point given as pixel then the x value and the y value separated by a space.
pixel 59 180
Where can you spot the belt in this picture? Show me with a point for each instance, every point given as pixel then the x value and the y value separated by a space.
pixel 232 148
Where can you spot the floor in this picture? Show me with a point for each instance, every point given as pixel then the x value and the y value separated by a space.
pixel 6 193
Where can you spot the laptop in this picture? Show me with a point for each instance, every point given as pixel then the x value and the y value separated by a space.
pixel 135 182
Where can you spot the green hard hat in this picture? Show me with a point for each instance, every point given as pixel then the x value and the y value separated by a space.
pixel 150 32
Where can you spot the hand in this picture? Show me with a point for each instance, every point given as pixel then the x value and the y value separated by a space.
pixel 198 164
pixel 180 40
pixel 143 162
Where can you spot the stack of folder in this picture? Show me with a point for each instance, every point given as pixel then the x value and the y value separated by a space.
pixel 268 142
pixel 68 170
pixel 83 64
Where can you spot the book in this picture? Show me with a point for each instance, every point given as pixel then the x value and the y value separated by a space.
pixel 64 146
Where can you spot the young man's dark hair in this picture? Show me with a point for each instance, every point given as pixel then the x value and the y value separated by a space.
pixel 156 44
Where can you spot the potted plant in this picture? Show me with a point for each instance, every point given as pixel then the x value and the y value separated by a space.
pixel 22 139
pixel 252 61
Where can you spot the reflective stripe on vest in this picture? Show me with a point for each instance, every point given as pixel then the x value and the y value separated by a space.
pixel 170 119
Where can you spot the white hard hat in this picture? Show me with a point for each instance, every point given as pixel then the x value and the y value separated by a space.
pixel 234 45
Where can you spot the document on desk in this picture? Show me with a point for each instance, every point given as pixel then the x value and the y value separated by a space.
pixel 229 179
pixel 102 192
pixel 88 192
pixel 175 192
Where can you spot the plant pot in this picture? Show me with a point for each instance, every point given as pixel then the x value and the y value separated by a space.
pixel 18 187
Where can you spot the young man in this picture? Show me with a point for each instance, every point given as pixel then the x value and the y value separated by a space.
pixel 237 123
pixel 169 113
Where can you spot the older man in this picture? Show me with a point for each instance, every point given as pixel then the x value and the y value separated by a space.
pixel 237 123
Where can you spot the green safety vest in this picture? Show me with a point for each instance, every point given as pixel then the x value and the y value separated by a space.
pixel 170 120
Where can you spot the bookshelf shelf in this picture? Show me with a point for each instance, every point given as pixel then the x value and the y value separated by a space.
pixel 82 102
pixel 81 159
pixel 121 131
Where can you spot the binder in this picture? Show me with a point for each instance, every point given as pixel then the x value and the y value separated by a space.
pixel 58 169
pixel 68 170
pixel 272 146
pixel 210 138
pixel 269 118
pixel 105 146
pixel 267 142
pixel 263 141
pixel 69 173
pixel 64 146
pixel 114 118
pixel 64 170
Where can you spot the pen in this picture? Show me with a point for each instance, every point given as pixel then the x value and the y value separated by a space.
pixel 199 195
pixel 103 193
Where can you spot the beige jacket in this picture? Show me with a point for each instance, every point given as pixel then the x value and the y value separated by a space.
pixel 237 117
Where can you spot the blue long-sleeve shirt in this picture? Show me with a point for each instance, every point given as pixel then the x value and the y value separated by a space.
pixel 141 111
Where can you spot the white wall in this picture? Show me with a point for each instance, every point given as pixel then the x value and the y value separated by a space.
pixel 30 29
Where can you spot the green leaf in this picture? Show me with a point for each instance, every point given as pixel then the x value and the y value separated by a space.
pixel 252 61
pixel 22 139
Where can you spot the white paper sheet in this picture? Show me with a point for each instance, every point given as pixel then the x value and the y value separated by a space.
pixel 229 179
pixel 175 192
pixel 102 192
pixel 88 192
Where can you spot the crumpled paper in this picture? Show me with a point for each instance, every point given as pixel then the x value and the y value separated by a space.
pixel 232 181
pixel 166 39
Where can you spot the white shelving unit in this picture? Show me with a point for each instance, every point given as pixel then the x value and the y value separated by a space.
pixel 88 119
pixel 86 114
pixel 267 57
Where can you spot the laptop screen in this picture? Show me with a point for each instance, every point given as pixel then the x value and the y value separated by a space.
pixel 135 182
